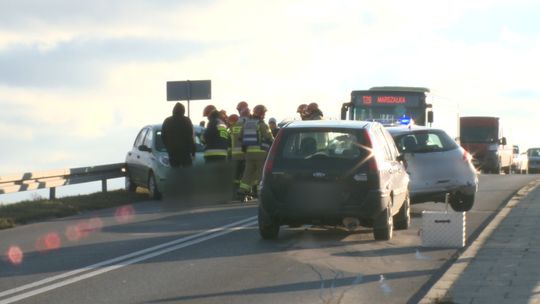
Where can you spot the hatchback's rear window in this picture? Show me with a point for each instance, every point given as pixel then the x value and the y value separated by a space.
pixel 321 144
pixel 425 141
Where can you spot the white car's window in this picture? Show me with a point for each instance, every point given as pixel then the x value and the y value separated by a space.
pixel 425 141
pixel 149 138
pixel 139 139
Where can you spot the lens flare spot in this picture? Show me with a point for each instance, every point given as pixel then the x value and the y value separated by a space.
pixel 95 224
pixel 15 255
pixel 124 214
pixel 73 234
pixel 48 242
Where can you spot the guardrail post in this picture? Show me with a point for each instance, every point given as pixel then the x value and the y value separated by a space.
pixel 104 185
pixel 52 193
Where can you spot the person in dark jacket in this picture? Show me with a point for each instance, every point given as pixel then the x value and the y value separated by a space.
pixel 216 137
pixel 177 136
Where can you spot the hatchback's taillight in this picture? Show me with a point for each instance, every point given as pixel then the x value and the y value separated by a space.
pixel 269 164
pixel 371 159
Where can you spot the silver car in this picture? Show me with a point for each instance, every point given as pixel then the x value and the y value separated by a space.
pixel 437 166
pixel 148 161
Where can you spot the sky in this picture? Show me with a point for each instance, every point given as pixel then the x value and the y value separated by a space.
pixel 79 79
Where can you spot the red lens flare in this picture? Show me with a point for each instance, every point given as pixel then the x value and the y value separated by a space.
pixel 15 255
pixel 48 242
pixel 124 214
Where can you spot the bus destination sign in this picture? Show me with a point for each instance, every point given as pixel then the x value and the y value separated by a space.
pixel 373 100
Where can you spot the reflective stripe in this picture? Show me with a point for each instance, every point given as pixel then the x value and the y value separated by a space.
pixel 215 152
pixel 256 149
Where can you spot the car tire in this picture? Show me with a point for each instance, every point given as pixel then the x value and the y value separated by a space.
pixel 268 226
pixel 130 185
pixel 402 219
pixel 461 202
pixel 383 226
pixel 153 190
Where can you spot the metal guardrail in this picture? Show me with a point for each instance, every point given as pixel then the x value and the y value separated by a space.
pixel 56 178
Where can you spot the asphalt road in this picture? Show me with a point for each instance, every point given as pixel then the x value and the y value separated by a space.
pixel 161 252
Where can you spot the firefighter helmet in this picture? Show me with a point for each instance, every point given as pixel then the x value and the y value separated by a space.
pixel 259 111
pixel 312 107
pixel 233 118
pixel 208 109
pixel 241 105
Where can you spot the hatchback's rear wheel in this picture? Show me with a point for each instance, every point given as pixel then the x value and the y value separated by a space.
pixel 152 187
pixel 461 202
pixel 383 226
pixel 268 226
pixel 402 219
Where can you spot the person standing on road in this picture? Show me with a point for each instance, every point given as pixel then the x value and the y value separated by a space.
pixel 273 126
pixel 177 135
pixel 302 111
pixel 256 141
pixel 216 136
pixel 313 112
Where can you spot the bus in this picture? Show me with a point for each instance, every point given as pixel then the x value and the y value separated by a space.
pixel 402 106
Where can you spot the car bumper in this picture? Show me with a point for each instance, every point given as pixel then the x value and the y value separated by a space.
pixel 304 211
pixel 437 194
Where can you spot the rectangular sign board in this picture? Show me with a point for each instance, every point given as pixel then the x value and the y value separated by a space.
pixel 189 90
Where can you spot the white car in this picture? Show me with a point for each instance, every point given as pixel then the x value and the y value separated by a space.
pixel 437 166
pixel 147 161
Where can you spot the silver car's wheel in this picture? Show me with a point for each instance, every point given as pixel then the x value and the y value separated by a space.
pixel 461 202
pixel 152 187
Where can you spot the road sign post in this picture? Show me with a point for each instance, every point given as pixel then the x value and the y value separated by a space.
pixel 189 90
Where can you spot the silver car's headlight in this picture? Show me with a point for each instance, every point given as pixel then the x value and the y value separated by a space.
pixel 493 147
pixel 164 160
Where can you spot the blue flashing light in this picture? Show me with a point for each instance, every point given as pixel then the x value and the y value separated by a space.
pixel 405 120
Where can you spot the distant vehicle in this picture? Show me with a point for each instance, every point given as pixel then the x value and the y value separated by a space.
pixel 484 139
pixel 334 172
pixel 522 163
pixel 148 161
pixel 392 106
pixel 515 159
pixel 437 166
pixel 530 161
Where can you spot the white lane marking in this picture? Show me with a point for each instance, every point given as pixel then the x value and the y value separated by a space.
pixel 180 243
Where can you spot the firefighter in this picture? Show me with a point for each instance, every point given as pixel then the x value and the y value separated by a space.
pixel 256 141
pixel 313 112
pixel 216 137
pixel 237 155
pixel 302 111
pixel 240 106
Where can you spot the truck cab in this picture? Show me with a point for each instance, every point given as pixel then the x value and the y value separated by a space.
pixel 484 139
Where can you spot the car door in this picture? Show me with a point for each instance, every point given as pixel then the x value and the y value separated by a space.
pixel 397 173
pixel 147 157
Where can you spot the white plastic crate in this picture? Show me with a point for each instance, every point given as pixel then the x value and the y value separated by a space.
pixel 443 229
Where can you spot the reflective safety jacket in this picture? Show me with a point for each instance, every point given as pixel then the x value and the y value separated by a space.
pixel 236 140
pixel 256 136
pixel 216 138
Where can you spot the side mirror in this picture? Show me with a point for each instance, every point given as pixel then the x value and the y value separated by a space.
pixel 503 141
pixel 144 148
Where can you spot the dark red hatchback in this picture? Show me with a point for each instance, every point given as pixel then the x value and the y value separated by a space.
pixel 332 173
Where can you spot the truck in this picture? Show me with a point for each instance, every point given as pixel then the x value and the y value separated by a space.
pixel 483 138
pixel 394 105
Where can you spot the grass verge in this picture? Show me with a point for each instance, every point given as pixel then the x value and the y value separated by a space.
pixel 35 210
